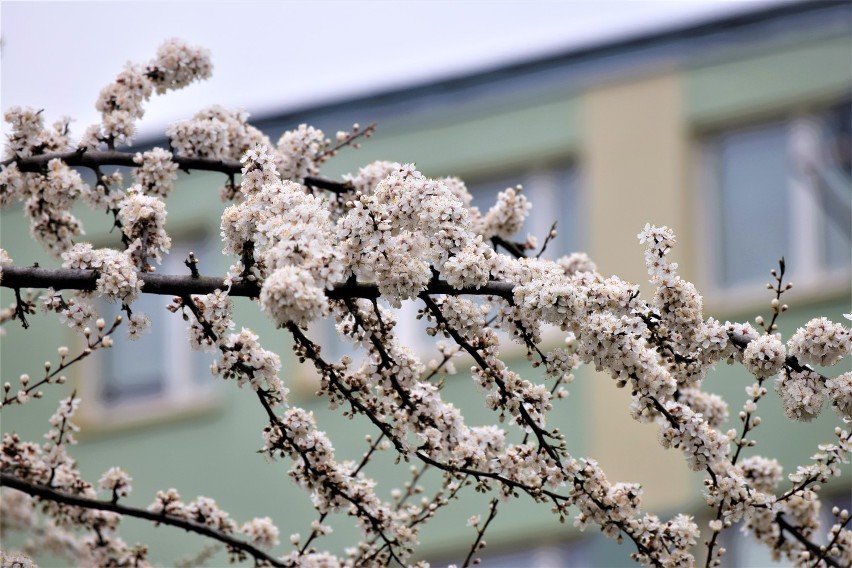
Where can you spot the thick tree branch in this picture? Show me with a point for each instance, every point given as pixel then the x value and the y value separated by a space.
pixel 328 184
pixel 17 277
pixel 75 501
pixel 796 533
pixel 95 159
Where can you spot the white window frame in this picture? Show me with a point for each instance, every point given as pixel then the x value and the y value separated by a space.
pixel 182 395
pixel 812 280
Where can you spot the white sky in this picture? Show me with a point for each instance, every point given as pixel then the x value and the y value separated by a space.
pixel 282 55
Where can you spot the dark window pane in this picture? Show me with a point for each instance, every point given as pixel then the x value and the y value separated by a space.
pixel 753 203
pixel 570 227
pixel 834 184
pixel 135 369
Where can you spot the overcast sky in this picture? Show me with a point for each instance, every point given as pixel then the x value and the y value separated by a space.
pixel 281 55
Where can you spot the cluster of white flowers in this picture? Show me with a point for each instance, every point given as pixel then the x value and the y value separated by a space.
pixel 121 103
pixel 240 135
pixel 262 532
pixel 802 394
pixel 765 356
pixel 203 138
pixel 289 235
pixel 290 294
pixel 28 137
pixel 404 227
pixel 215 310
pixel 117 276
pixel 178 64
pixel 127 94
pixel 369 176
pixel 839 390
pixel 299 152
pixel 143 219
pixel 702 445
pixel 222 134
pixel 137 324
pixel 157 172
pixel 762 474
pixel 116 481
pixel 73 312
pixel 47 201
pixel 821 342
pixel 507 216
pixel 243 359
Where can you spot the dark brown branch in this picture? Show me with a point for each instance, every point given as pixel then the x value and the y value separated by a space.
pixel 550 235
pixel 94 160
pixel 827 549
pixel 512 248
pixel 481 533
pixel 75 501
pixel 172 285
pixel 794 531
pixel 21 309
pixel 328 184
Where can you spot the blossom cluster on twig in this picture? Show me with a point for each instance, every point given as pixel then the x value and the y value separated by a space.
pixel 307 248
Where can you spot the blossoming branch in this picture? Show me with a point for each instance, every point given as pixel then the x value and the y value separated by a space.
pixel 307 248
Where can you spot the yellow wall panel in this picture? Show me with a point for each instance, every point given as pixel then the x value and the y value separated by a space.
pixel 635 152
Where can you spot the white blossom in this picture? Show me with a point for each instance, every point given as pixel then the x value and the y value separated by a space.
pixel 157 172
pixel 764 356
pixel 839 391
pixel 821 342
pixel 262 532
pixel 178 64
pixel 144 224
pixel 290 295
pixel 802 394
pixel 116 481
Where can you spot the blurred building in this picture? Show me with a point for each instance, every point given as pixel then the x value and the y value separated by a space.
pixel 735 133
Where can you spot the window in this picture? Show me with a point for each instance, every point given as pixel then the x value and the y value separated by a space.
pixel 555 195
pixel 155 376
pixel 778 189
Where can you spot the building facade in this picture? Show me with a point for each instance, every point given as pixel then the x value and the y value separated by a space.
pixel 735 133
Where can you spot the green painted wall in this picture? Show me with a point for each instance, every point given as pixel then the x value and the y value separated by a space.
pixel 767 82
pixel 484 140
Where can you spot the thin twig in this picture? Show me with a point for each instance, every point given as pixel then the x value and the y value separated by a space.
pixel 550 234
pixel 75 501
pixel 480 533
pixel 794 531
